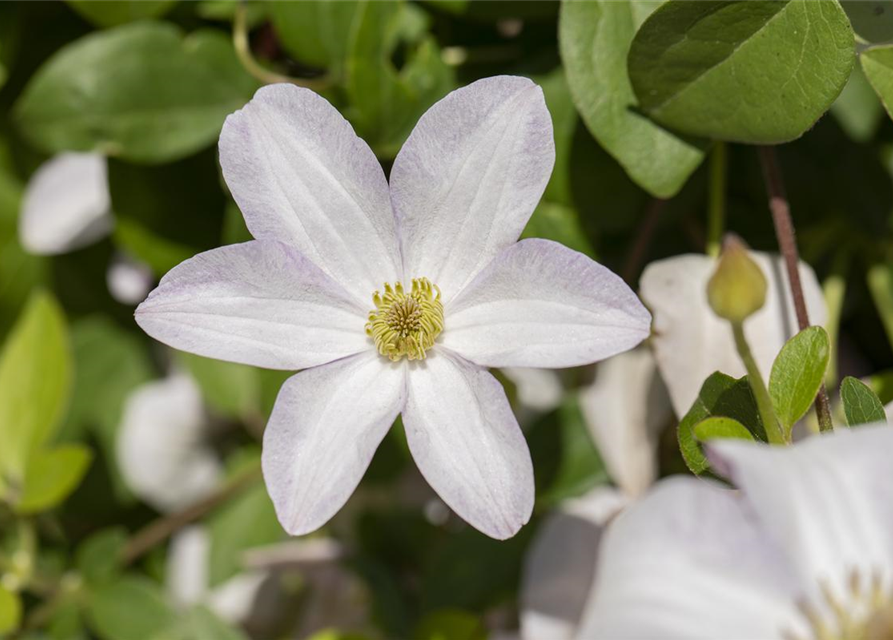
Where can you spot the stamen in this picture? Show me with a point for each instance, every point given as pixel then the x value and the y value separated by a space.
pixel 406 324
pixel 864 611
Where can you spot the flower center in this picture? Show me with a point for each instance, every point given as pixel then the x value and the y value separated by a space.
pixel 865 612
pixel 406 324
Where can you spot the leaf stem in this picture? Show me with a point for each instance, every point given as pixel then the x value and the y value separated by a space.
pixel 159 530
pixel 758 386
pixel 716 213
pixel 787 244
pixel 252 66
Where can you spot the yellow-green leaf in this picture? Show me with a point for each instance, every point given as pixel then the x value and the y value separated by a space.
pixel 797 374
pixel 860 404
pixel 52 474
pixel 35 379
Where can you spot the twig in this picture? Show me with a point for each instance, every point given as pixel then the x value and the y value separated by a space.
pixel 787 243
pixel 243 51
pixel 644 235
pixel 159 530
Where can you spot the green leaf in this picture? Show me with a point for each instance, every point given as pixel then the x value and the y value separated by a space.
pixel 132 608
pixel 109 364
pixel 564 120
pixel 199 623
pixel 246 521
pixel 141 92
pixel 719 427
pixel 580 466
pixel 561 224
pixel 20 272
pixel 10 611
pixel 387 103
pixel 450 625
pixel 316 33
pixel 52 474
pixel 103 13
pixel 796 55
pixel 797 374
pixel 159 253
pixel 595 38
pixel 858 109
pixel 877 63
pixel 232 389
pixel 720 396
pixel 860 404
pixel 98 558
pixel 872 20
pixel 35 380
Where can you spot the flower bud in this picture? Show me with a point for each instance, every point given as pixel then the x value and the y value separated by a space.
pixel 737 288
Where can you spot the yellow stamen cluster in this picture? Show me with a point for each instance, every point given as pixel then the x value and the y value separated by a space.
pixel 865 612
pixel 406 324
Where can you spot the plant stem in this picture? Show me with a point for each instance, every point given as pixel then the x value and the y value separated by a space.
pixel 716 214
pixel 644 235
pixel 159 530
pixel 787 244
pixel 758 386
pixel 243 51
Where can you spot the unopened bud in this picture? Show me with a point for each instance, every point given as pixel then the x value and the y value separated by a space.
pixel 737 288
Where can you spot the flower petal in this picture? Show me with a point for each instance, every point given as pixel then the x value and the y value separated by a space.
pixel 827 499
pixel 66 205
pixel 626 408
pixel 326 425
pixel 468 178
pixel 300 175
pixel 690 342
pixel 467 443
pixel 561 563
pixel 688 562
pixel 161 449
pixel 540 304
pixel 260 303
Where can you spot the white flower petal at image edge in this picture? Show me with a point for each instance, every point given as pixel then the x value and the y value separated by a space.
pixel 810 531
pixel 66 204
pixel 161 450
pixel 690 342
pixel 459 294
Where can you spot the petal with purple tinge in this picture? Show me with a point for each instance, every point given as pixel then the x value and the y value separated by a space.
pixel 326 425
pixel 301 176
pixel 469 177
pixel 467 443
pixel 260 303
pixel 540 304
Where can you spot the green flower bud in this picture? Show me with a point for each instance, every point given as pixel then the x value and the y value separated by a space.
pixel 737 288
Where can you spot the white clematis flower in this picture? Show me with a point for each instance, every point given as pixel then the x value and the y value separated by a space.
pixel 690 342
pixel 802 551
pixel 463 295
pixel 66 205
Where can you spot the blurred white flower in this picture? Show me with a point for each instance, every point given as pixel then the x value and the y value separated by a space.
pixel 690 342
pixel 625 409
pixel 162 446
pixel 128 280
pixel 538 389
pixel 331 231
pixel 66 205
pixel 804 550
pixel 188 578
pixel 560 565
